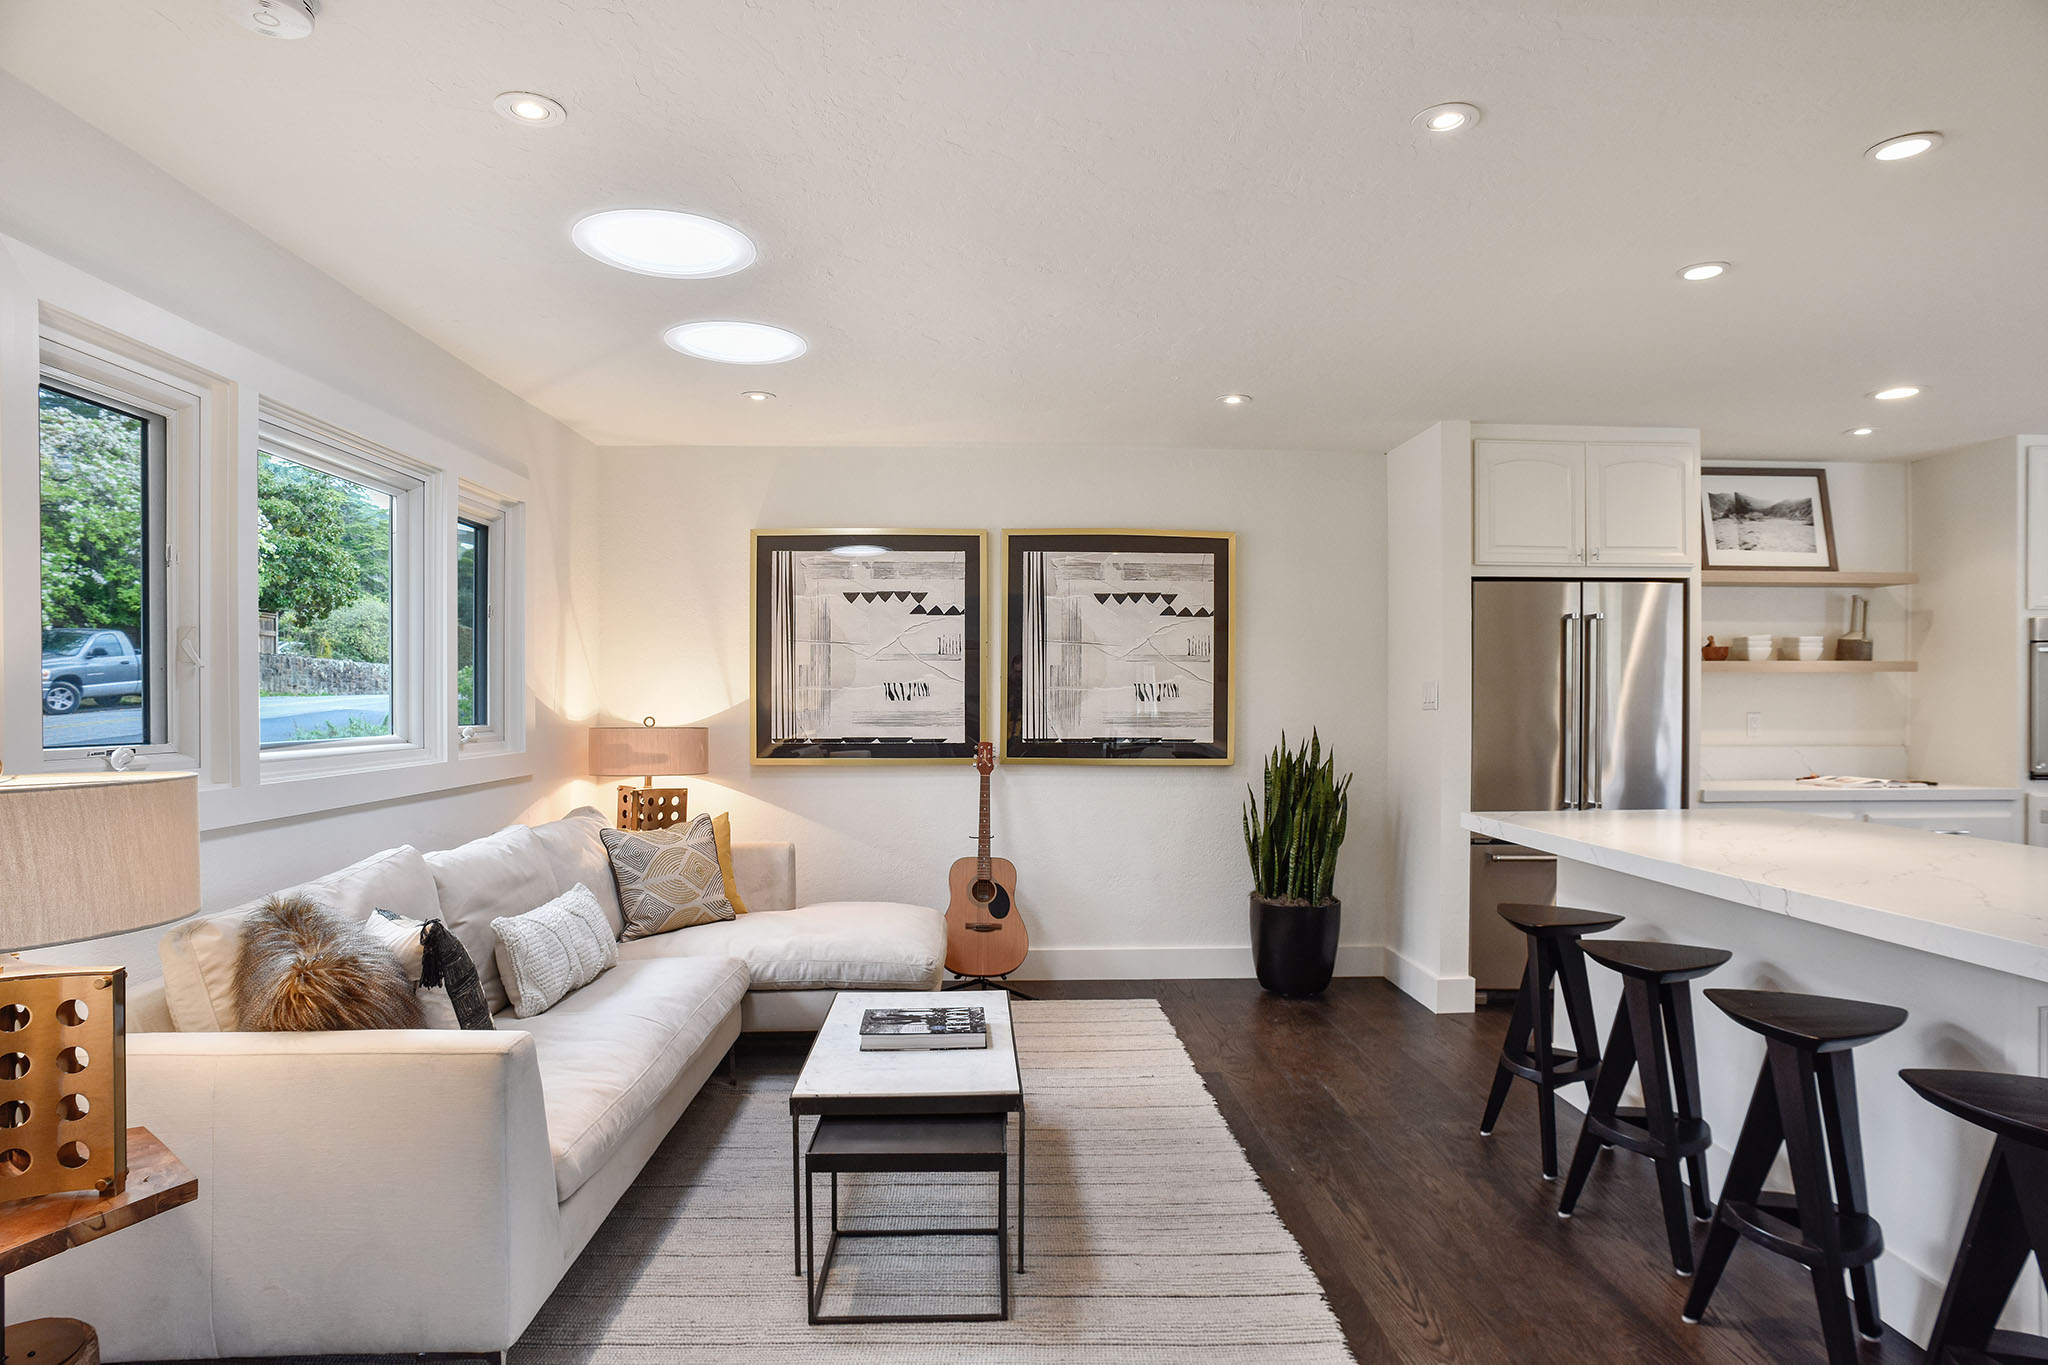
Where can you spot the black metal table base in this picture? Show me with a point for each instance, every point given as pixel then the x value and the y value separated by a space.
pixel 985 983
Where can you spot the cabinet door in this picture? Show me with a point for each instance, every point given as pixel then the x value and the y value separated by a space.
pixel 1642 506
pixel 1979 819
pixel 1528 502
pixel 2037 528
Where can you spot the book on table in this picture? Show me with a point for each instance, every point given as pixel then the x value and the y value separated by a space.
pixel 923 1030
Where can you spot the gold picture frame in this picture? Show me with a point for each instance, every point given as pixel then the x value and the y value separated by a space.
pixel 1221 750
pixel 764 751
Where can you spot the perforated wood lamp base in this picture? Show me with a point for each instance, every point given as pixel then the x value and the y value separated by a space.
pixel 52 1341
pixel 646 808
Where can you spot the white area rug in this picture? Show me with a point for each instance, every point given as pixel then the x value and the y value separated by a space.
pixel 1149 1238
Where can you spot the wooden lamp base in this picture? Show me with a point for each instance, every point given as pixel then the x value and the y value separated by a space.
pixel 52 1341
pixel 653 807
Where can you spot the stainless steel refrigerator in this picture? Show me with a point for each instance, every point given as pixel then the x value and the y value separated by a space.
pixel 1578 703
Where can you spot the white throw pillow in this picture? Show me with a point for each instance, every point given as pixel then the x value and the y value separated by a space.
pixel 401 934
pixel 546 953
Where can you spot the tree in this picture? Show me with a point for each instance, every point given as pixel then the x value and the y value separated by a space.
pixel 92 467
pixel 361 630
pixel 308 570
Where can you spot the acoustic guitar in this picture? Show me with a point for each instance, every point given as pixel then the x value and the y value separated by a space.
pixel 984 931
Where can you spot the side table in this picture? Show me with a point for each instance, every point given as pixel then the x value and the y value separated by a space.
pixel 36 1229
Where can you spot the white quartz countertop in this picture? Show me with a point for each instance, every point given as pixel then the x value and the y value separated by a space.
pixel 1980 901
pixel 1786 789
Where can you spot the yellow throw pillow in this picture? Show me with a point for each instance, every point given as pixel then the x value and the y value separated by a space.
pixel 721 830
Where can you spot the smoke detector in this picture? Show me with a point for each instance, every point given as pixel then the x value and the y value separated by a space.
pixel 273 18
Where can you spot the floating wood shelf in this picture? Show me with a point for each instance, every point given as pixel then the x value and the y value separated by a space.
pixel 1810 666
pixel 1803 578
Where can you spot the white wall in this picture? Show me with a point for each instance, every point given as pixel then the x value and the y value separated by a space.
pixel 1122 872
pixel 159 255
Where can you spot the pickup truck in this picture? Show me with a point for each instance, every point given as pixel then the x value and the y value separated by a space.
pixel 80 663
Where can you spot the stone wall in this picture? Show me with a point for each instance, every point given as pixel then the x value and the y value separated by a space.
pixel 298 675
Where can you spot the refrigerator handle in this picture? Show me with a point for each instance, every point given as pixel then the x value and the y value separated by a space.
pixel 1570 682
pixel 1596 646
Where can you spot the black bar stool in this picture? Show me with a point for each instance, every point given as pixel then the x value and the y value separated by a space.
pixel 1805 1102
pixel 2010 1218
pixel 1652 1036
pixel 1554 932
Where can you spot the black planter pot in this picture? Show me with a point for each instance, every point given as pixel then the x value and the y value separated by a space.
pixel 1294 946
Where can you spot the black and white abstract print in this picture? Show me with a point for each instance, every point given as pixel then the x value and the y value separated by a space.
pixel 1119 645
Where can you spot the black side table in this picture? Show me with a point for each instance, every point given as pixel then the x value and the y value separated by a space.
pixel 940 1143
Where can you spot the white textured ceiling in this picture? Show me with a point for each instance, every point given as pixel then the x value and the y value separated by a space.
pixel 1056 221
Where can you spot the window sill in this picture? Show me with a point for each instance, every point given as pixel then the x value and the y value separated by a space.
pixel 321 793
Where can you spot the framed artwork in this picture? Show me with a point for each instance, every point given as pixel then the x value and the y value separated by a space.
pixel 1766 517
pixel 1119 646
pixel 868 646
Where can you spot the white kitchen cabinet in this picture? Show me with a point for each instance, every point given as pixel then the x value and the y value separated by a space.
pixel 1640 507
pixel 1583 504
pixel 1991 819
pixel 2037 528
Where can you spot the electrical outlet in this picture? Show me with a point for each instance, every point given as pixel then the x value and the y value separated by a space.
pixel 1753 724
pixel 1429 696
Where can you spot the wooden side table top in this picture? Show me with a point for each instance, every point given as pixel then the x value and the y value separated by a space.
pixel 36 1229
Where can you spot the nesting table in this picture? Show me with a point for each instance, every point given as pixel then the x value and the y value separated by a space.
pixel 930 1100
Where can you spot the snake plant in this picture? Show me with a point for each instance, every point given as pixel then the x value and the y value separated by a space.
pixel 1293 840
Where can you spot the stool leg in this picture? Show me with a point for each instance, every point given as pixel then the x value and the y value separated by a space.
pixel 1806 1154
pixel 1578 1003
pixel 1988 1263
pixel 1546 1056
pixel 1755 1149
pixel 1658 1117
pixel 1685 1078
pixel 1615 1066
pixel 1837 1075
pixel 1518 1030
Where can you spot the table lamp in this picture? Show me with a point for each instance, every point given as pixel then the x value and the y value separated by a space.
pixel 81 856
pixel 648 751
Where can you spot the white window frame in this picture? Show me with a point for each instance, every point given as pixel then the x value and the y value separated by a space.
pixel 504 520
pixel 78 358
pixel 416 579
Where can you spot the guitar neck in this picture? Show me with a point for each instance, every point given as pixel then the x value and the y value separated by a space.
pixel 981 870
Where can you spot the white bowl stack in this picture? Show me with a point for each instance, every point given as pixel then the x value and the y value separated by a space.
pixel 1757 646
pixel 1807 647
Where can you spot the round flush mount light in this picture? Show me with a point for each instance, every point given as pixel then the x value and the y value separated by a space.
pixel 1896 392
pixel 1903 146
pixel 859 551
pixel 736 343
pixel 1447 118
pixel 530 110
pixel 272 18
pixel 1235 400
pixel 756 395
pixel 1859 431
pixel 676 246
pixel 1705 270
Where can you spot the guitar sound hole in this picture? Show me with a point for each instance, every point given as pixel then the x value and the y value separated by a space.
pixel 984 892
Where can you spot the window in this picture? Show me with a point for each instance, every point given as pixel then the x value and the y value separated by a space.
pixel 472 623
pixel 101 528
pixel 335 582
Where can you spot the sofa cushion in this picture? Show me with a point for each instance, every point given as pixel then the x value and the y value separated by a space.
pixel 609 1052
pixel 199 955
pixel 502 874
pixel 546 953
pixel 840 945
pixel 576 851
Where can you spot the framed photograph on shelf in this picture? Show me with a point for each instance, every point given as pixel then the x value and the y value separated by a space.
pixel 1766 517
pixel 868 646
pixel 1119 646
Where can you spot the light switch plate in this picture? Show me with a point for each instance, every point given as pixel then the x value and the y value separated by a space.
pixel 1429 696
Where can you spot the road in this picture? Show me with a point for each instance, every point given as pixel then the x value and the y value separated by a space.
pixel 280 719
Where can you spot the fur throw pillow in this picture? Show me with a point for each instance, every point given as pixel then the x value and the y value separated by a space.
pixel 304 970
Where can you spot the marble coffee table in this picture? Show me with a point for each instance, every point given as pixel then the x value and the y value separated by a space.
pixel 839 1079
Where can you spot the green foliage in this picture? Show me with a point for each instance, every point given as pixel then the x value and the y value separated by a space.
pixel 465 695
pixel 92 480
pixel 1293 842
pixel 361 631
pixel 355 728
pixel 325 543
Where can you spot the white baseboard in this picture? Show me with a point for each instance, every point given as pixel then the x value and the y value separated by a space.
pixel 1176 963
pixel 1443 994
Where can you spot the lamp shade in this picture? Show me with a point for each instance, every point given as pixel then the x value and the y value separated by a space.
pixel 649 750
pixel 88 854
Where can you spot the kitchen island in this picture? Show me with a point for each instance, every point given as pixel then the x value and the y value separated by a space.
pixel 1955 930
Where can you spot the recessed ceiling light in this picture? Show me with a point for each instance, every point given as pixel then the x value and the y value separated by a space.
pixel 676 246
pixel 1447 118
pixel 736 343
pixel 859 551
pixel 1705 270
pixel 1896 392
pixel 272 18
pixel 757 395
pixel 1905 145
pixel 528 109
pixel 1859 431
pixel 1235 400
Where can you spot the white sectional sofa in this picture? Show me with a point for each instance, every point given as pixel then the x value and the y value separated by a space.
pixel 401 1191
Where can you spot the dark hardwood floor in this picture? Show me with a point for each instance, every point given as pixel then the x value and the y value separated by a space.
pixel 1360 1112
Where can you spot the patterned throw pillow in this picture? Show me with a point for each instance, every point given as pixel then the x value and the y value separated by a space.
pixel 561 947
pixel 668 878
pixel 450 994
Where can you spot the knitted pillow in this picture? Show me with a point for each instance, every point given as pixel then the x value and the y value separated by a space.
pixel 668 878
pixel 450 994
pixel 302 969
pixel 546 953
